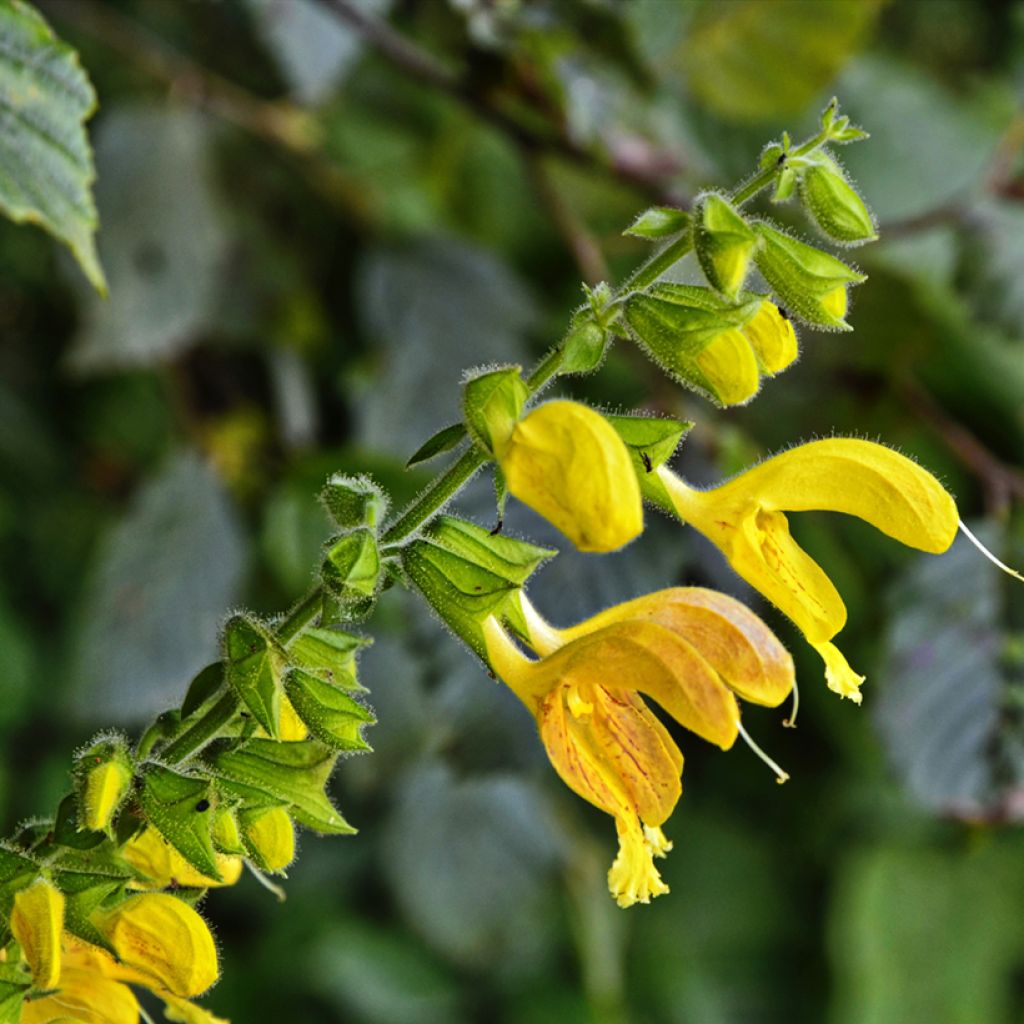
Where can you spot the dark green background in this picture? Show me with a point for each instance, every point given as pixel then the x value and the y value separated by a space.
pixel 280 311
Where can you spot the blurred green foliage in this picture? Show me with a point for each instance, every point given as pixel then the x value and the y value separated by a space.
pixel 304 248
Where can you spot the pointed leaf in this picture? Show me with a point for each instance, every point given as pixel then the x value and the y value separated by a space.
pixel 443 441
pixel 329 654
pixel 46 168
pixel 329 713
pixel 659 222
pixel 651 440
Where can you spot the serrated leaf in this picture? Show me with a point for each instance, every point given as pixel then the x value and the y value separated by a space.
pixel 948 681
pixel 443 441
pixel 659 222
pixel 181 809
pixel 253 666
pixel 46 168
pixel 329 654
pixel 651 440
pixel 291 773
pixel 329 713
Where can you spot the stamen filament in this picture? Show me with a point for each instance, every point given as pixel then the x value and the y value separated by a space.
pixel 267 884
pixel 544 638
pixel 790 723
pixel 988 554
pixel 781 776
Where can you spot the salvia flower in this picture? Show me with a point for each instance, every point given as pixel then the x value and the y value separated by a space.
pixel 37 920
pixel 692 651
pixel 746 519
pixel 569 465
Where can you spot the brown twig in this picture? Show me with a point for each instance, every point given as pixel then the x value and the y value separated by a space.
pixel 1001 483
pixel 649 176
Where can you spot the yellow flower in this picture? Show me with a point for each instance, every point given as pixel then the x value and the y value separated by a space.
pixel 93 989
pixel 37 919
pixel 566 462
pixel 270 837
pixel 105 788
pixel 163 939
pixel 745 519
pixel 151 855
pixel 687 648
pixel 772 337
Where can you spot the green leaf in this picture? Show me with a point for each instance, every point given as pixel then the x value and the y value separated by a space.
pixel 291 773
pixel 354 501
pixel 329 654
pixel 204 687
pixel 749 60
pixel 443 441
pixel 584 348
pixel 181 809
pixel 329 713
pixel 651 440
pixel 253 666
pixel 512 560
pixel 659 222
pixel 46 167
pixel 949 713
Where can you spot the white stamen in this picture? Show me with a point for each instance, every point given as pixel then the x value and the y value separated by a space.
pixel 544 638
pixel 267 884
pixel 790 723
pixel 781 776
pixel 988 554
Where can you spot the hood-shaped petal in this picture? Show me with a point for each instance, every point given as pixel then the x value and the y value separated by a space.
pixel 569 465
pixel 37 921
pixel 732 639
pixel 845 474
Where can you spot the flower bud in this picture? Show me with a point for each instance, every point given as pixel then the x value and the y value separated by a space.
pixel 809 282
pixel 161 865
pixel 103 777
pixel 269 837
pixel 834 204
pixel 772 338
pixel 724 243
pixel 569 465
pixel 37 920
pixel 695 336
pixel 164 938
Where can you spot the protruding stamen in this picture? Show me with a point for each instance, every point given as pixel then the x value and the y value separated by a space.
pixel 267 884
pixel 544 638
pixel 988 554
pixel 780 775
pixel 790 723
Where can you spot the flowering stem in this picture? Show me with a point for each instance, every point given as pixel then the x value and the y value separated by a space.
pixel 763 179
pixel 201 731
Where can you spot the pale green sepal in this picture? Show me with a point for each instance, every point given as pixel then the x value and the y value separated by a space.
pixel 724 243
pixel 102 778
pixel 492 402
pixel 254 662
pixel 651 440
pixel 351 571
pixel 329 713
pixel 354 501
pixel 834 204
pixel 329 654
pixel 181 808
pixel 291 773
pixel 583 349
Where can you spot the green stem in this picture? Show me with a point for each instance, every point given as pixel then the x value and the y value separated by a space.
pixel 764 178
pixel 300 616
pixel 204 730
pixel 649 272
pixel 438 493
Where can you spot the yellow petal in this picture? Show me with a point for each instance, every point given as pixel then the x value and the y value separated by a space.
pixel 568 464
pixel 861 478
pixel 151 855
pixel 86 997
pixel 105 787
pixel 840 677
pixel 731 638
pixel 644 657
pixel 292 727
pixel 270 835
pixel 633 878
pixel 836 302
pixel 184 1012
pixel 37 921
pixel 772 338
pixel 165 939
pixel 729 368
